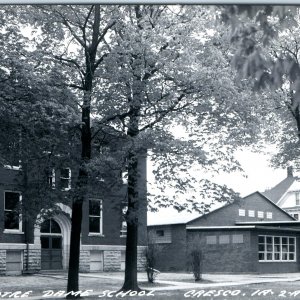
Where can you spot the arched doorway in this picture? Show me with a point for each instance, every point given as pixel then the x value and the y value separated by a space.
pixel 51 245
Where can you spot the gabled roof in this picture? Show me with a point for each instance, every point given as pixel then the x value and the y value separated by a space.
pixel 278 191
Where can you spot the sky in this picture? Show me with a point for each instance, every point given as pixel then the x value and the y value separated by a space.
pixel 260 176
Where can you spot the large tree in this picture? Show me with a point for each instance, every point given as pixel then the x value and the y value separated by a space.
pixel 167 69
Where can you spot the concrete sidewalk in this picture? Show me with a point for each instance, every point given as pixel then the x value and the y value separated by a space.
pixel 182 281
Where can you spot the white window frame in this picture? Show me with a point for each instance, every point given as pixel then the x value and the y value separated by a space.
pixel 251 213
pixel 280 251
pixel 67 178
pixel 100 233
pixel 52 175
pixel 15 168
pixel 123 231
pixel 19 230
pixel 269 215
pixel 242 212
pixel 260 214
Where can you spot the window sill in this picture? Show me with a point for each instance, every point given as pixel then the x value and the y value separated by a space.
pixel 277 261
pixel 15 168
pixel 11 231
pixel 123 236
pixel 96 234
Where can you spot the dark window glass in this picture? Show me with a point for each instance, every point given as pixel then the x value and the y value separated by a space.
pixel 55 227
pixel 284 240
pixel 11 213
pixel 50 226
pixel 45 227
pixel 64 183
pixel 94 208
pixel 11 220
pixel 65 173
pixel 45 242
pixel 56 242
pixel 261 256
pixel 269 240
pixel 94 225
pixel 11 200
pixel 277 240
pixel 291 241
pixel 261 239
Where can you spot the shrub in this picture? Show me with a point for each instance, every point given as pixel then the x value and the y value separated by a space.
pixel 196 263
pixel 150 253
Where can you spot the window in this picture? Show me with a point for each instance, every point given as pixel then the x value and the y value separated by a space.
pixel 160 232
pixel 123 231
pixel 224 239
pixel 269 215
pixel 242 212
pixel 12 217
pixel 276 248
pixel 237 239
pixel 51 178
pixel 251 213
pixel 161 235
pixel 297 195
pixel 65 178
pixel 211 239
pixel 260 214
pixel 95 216
pixel 296 216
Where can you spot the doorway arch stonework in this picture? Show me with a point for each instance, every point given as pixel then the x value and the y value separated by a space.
pixel 64 223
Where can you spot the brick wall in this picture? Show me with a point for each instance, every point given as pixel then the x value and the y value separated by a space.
pixel 171 256
pixel 229 257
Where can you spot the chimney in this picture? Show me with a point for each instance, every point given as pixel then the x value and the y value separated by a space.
pixel 290 171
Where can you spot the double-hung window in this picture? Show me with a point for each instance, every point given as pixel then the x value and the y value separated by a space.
pixel 95 216
pixel 12 216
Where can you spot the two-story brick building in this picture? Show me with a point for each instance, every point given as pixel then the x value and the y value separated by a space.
pixel 249 235
pixel 30 244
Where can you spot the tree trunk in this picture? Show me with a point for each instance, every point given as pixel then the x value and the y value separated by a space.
pixel 73 278
pixel 86 140
pixel 73 272
pixel 130 282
